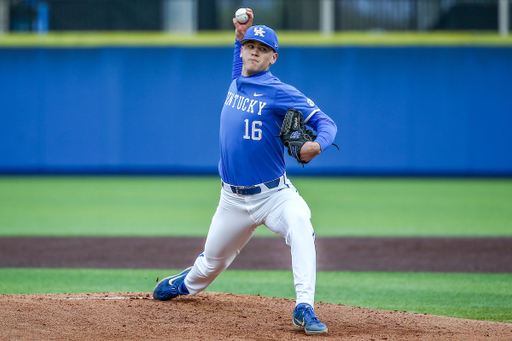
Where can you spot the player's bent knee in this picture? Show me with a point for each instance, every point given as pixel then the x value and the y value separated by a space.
pixel 213 267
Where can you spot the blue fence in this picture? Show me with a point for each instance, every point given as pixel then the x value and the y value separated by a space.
pixel 399 111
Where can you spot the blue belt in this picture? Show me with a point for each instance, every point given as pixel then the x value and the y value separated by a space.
pixel 241 190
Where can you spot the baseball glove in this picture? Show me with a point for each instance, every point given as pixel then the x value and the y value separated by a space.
pixel 294 133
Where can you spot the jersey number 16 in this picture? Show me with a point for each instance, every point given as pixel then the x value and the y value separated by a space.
pixel 255 131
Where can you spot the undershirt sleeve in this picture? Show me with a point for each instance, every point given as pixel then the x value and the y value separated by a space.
pixel 237 61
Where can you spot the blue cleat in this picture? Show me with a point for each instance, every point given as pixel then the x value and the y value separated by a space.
pixel 304 319
pixel 171 287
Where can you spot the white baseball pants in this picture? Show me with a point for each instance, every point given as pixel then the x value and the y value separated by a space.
pixel 283 211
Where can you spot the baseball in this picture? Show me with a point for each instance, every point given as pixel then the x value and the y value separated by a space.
pixel 241 15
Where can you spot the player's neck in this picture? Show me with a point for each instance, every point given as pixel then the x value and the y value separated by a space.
pixel 247 73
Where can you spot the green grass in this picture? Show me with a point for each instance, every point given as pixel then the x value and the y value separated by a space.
pixel 103 206
pixel 409 207
pixel 183 206
pixel 226 38
pixel 473 296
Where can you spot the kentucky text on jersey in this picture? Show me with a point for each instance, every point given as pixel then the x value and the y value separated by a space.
pixel 244 103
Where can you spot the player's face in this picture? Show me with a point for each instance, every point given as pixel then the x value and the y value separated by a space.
pixel 257 57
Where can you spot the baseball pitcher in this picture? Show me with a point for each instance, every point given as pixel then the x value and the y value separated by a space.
pixel 255 189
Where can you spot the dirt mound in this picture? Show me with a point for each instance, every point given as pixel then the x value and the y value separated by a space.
pixel 216 316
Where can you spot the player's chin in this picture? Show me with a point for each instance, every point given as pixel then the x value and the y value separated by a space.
pixel 254 67
pixel 254 70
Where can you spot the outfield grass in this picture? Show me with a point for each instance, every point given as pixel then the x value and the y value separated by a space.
pixel 473 296
pixel 183 206
pixel 226 38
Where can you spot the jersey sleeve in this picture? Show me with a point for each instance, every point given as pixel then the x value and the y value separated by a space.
pixel 290 97
pixel 325 128
pixel 237 61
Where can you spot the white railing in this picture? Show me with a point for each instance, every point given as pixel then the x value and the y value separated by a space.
pixel 4 16
pixel 503 17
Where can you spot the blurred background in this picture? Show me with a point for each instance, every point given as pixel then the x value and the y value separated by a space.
pixel 405 106
pixel 200 15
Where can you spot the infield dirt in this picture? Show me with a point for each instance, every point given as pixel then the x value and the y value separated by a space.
pixel 216 316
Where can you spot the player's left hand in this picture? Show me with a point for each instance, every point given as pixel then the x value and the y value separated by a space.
pixel 309 150
pixel 242 28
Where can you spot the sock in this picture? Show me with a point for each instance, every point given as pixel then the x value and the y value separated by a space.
pixel 183 289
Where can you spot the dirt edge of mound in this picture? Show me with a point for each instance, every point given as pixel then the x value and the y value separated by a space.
pixel 215 316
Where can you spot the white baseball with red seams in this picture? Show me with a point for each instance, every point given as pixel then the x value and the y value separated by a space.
pixel 241 15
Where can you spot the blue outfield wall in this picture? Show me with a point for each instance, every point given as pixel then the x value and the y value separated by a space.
pixel 399 111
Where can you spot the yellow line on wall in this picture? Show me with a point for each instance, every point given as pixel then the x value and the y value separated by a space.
pixel 286 38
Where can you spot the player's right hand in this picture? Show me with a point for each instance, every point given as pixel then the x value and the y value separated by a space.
pixel 240 29
pixel 309 150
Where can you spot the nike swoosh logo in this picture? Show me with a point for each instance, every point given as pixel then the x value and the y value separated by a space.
pixel 299 322
pixel 257 95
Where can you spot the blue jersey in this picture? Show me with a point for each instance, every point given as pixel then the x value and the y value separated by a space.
pixel 250 152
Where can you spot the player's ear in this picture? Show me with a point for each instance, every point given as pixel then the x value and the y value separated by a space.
pixel 274 58
pixel 241 50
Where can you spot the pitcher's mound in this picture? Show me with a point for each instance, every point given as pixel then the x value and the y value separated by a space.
pixel 216 316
